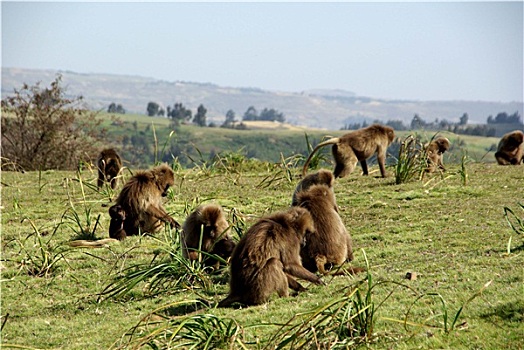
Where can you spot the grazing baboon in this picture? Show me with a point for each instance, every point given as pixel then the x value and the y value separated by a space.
pixel 330 243
pixel 322 176
pixel 510 150
pixel 434 151
pixel 205 229
pixel 357 146
pixel 141 200
pixel 109 165
pixel 268 256
pixel 116 225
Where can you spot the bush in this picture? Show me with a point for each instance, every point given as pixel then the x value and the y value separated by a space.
pixel 42 129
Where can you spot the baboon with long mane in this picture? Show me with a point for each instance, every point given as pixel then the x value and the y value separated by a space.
pixel 205 229
pixel 141 200
pixel 268 256
pixel 357 146
pixel 510 150
pixel 435 152
pixel 330 243
pixel 109 165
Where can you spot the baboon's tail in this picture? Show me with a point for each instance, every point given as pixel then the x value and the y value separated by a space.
pixel 331 141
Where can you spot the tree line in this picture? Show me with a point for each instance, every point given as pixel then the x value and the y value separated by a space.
pixel 417 123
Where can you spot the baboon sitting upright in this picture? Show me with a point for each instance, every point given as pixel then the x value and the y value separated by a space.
pixel 109 165
pixel 116 226
pixel 357 146
pixel 435 152
pixel 141 200
pixel 330 243
pixel 510 150
pixel 267 257
pixel 205 229
pixel 321 177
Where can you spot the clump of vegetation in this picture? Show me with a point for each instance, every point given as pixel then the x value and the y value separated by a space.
pixel 411 160
pixel 42 129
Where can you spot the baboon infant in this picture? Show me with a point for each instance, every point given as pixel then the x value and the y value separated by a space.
pixel 268 256
pixel 357 146
pixel 435 152
pixel 510 150
pixel 141 201
pixel 109 165
pixel 330 243
pixel 322 176
pixel 205 229
pixel 116 225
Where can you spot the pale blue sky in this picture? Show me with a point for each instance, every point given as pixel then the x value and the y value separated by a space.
pixel 410 50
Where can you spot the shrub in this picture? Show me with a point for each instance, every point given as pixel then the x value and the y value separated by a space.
pixel 42 129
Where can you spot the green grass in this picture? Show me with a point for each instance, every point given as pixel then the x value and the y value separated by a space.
pixel 453 235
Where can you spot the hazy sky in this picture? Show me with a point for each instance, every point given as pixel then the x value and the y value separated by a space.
pixel 409 50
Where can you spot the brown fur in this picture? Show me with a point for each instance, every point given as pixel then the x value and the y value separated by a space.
pixel 324 177
pixel 109 165
pixel 206 221
pixel 267 257
pixel 141 200
pixel 510 150
pixel 434 151
pixel 330 243
pixel 116 225
pixel 357 146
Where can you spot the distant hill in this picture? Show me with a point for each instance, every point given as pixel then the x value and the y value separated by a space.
pixel 329 109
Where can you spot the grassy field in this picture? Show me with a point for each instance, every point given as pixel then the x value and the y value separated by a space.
pixel 450 232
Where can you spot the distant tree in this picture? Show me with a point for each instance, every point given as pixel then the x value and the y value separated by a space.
pixel 271 115
pixel 152 109
pixel 504 118
pixel 200 116
pixel 396 124
pixel 417 122
pixel 114 108
pixel 42 129
pixel 230 119
pixel 179 113
pixel 464 119
pixel 250 114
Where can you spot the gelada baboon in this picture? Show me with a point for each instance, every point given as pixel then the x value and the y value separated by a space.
pixel 330 243
pixel 321 177
pixel 141 201
pixel 205 229
pixel 116 225
pixel 357 146
pixel 434 151
pixel 268 256
pixel 109 165
pixel 510 150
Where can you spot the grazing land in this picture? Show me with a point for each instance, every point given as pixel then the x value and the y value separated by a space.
pixel 449 231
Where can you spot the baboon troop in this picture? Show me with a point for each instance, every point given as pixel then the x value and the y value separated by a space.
pixel 109 165
pixel 205 229
pixel 267 258
pixel 306 241
pixel 510 150
pixel 141 201
pixel 330 243
pixel 357 146
pixel 434 151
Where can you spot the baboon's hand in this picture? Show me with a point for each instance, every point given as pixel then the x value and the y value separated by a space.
pixel 320 282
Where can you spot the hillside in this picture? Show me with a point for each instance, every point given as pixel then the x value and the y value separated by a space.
pixel 328 109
